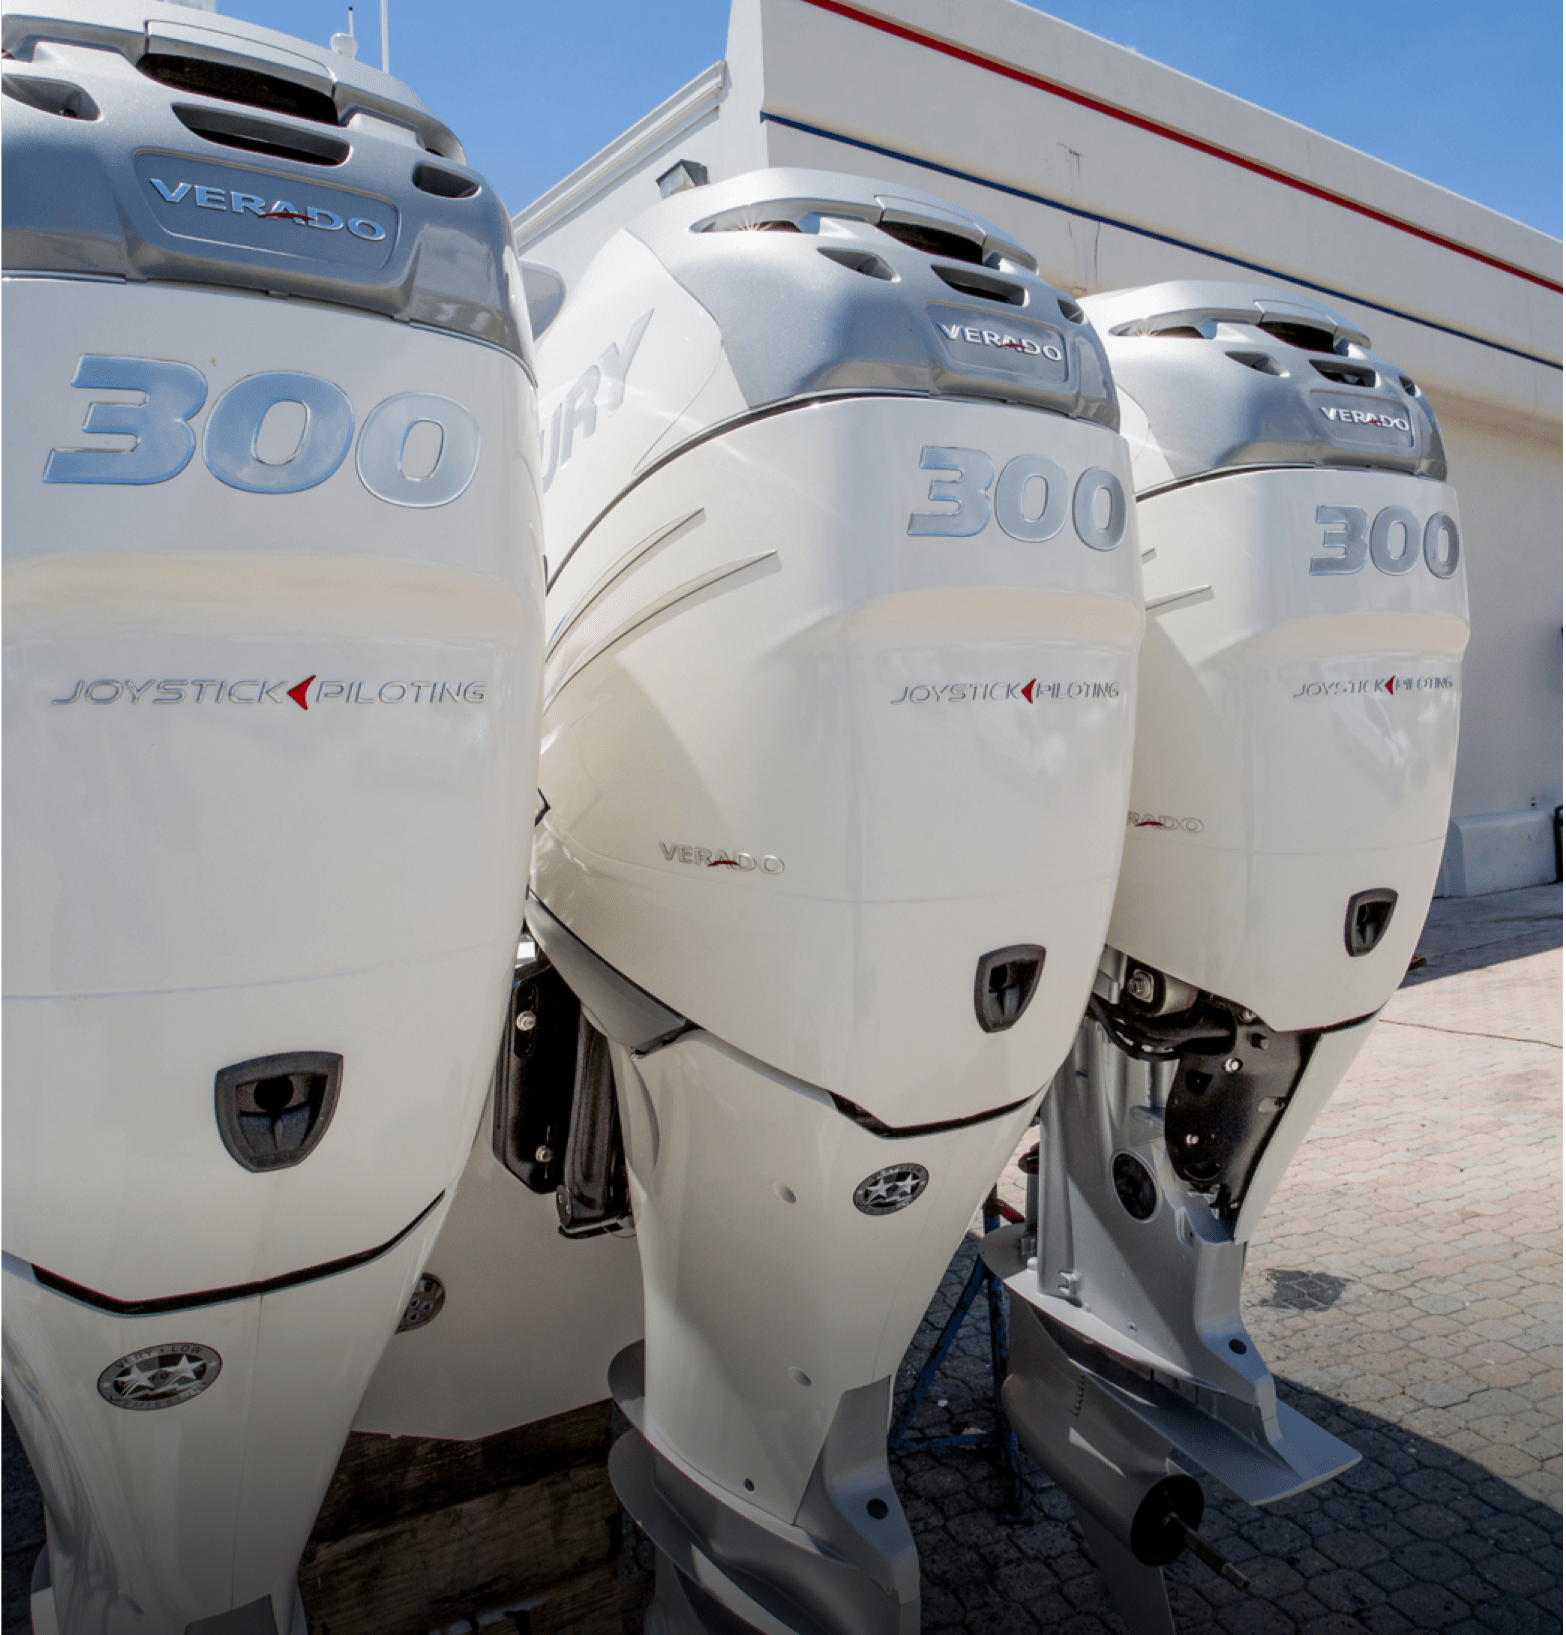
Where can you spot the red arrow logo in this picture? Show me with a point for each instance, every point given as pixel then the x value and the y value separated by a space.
pixel 1388 683
pixel 1027 692
pixel 298 693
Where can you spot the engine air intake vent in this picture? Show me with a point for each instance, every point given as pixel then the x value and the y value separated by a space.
pixel 252 135
pixel 443 183
pixel 246 85
pixel 779 225
pixel 1259 361
pixel 1345 374
pixel 933 241
pixel 51 96
pixel 986 286
pixel 1305 336
pixel 861 261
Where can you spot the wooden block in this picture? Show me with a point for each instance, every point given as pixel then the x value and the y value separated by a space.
pixel 427 1569
pixel 589 1605
pixel 383 1479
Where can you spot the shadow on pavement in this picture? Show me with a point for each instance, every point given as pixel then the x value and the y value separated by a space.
pixel 1414 1537
pixel 1470 933
pixel 23 1530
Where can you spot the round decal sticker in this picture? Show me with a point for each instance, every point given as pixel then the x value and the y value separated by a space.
pixel 161 1376
pixel 890 1189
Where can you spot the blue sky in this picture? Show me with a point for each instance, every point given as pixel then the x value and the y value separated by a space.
pixel 1464 94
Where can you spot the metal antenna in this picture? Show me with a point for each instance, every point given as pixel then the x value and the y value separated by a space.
pixel 385 41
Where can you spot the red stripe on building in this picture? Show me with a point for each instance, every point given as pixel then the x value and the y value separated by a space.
pixel 992 65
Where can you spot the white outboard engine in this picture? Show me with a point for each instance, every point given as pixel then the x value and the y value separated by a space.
pixel 274 632
pixel 844 607
pixel 1295 740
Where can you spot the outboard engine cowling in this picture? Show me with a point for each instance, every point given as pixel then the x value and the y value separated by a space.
pixel 273 650
pixel 1295 742
pixel 843 625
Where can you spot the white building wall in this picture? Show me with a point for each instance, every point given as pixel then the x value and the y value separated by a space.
pixel 1117 171
pixel 1508 483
